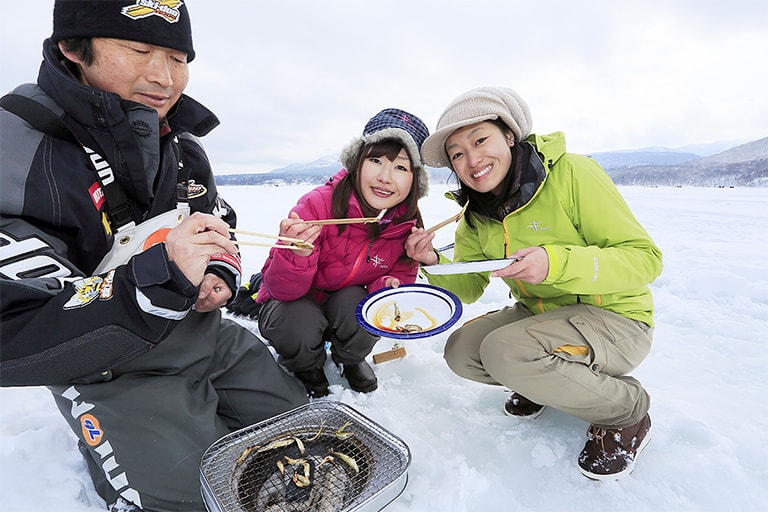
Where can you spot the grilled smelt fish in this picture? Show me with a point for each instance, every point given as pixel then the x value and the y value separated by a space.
pixel 330 481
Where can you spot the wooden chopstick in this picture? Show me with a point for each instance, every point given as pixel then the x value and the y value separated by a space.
pixel 326 222
pixel 265 235
pixel 447 221
pixel 295 244
pixel 358 220
pixel 260 244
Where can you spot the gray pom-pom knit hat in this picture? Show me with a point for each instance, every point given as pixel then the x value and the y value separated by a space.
pixel 474 106
pixel 392 124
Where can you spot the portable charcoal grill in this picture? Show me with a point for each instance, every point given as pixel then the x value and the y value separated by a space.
pixel 348 463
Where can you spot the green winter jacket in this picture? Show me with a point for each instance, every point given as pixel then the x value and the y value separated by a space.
pixel 599 254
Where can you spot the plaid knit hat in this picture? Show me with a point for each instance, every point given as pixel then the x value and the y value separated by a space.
pixel 392 124
pixel 159 22
pixel 480 104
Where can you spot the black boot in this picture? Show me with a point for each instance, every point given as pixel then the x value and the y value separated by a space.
pixel 314 381
pixel 360 376
pixel 520 407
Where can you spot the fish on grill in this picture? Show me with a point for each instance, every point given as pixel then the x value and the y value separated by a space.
pixel 329 480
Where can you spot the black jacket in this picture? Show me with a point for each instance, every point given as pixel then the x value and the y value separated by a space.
pixel 58 321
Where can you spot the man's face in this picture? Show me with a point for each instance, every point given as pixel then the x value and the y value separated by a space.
pixel 151 75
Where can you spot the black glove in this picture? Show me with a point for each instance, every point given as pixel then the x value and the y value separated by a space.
pixel 244 303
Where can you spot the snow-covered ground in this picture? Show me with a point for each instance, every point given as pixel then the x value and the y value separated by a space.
pixel 706 374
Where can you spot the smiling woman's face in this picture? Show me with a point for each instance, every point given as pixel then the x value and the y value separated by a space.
pixel 385 183
pixel 480 156
pixel 151 75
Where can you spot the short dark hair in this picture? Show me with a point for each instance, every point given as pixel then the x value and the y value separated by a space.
pixel 82 47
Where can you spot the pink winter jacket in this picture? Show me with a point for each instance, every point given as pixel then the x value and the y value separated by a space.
pixel 338 261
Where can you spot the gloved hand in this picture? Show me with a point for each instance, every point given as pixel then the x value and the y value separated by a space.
pixel 244 302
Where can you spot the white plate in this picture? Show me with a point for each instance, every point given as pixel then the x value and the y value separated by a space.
pixel 467 267
pixel 430 308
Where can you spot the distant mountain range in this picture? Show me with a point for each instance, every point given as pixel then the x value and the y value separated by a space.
pixel 745 165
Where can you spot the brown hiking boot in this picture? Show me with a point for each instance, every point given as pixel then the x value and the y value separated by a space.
pixel 610 453
pixel 520 407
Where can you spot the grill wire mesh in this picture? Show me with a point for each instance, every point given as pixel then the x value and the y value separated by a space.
pixel 323 456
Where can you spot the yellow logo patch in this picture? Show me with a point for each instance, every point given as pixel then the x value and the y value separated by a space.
pixel 166 9
pixel 86 291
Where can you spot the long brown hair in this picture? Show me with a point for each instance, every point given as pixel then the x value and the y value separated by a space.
pixel 389 149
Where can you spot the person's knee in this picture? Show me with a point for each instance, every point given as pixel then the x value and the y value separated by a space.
pixel 456 356
pixel 346 298
pixel 454 363
pixel 501 355
pixel 292 338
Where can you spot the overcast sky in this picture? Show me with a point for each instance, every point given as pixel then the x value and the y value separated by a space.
pixel 294 81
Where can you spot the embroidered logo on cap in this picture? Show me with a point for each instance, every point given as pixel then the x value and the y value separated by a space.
pixel 166 9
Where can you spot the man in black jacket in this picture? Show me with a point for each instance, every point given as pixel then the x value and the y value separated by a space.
pixel 115 256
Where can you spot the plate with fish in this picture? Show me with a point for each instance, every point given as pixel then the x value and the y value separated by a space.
pixel 409 311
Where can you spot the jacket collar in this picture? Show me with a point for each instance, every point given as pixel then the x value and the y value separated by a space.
pixel 95 108
pixel 125 133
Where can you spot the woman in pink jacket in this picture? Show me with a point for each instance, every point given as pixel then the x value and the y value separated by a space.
pixel 310 296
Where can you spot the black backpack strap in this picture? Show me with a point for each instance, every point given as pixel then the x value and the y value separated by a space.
pixel 40 117
pixel 44 120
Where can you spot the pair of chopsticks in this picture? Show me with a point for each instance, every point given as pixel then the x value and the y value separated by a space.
pixel 296 244
pixel 357 220
pixel 447 221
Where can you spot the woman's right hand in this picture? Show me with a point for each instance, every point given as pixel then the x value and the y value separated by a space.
pixel 419 247
pixel 295 227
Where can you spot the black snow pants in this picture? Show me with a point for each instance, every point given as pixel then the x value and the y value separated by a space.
pixel 299 329
pixel 144 425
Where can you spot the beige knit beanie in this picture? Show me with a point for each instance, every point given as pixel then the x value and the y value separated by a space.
pixel 480 104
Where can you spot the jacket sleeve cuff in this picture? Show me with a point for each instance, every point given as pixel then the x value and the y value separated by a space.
pixel 229 264
pixel 556 256
pixel 161 281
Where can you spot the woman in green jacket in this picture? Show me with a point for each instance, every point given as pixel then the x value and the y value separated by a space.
pixel 580 270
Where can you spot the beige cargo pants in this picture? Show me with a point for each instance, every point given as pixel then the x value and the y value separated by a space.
pixel 575 359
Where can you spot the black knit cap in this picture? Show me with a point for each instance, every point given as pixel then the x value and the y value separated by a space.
pixel 159 22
